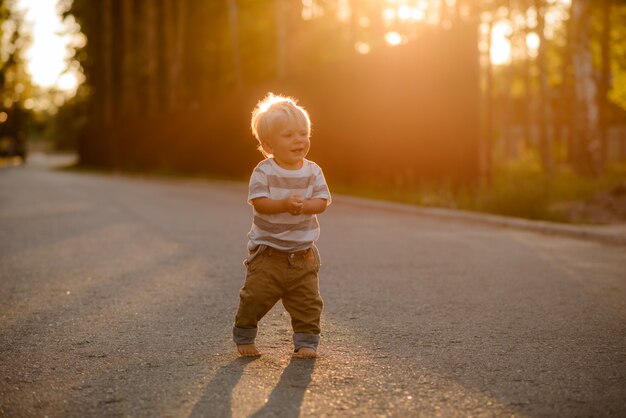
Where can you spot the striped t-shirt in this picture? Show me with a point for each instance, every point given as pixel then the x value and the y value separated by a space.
pixel 285 231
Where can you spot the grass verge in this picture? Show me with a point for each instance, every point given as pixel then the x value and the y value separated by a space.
pixel 520 189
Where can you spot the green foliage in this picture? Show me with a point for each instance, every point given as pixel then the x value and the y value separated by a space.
pixel 519 189
pixel 64 128
pixel 617 94
pixel 15 84
pixel 523 190
pixel 3 17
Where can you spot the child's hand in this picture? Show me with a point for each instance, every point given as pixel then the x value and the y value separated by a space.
pixel 295 204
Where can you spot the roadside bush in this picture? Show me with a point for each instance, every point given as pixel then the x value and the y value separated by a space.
pixel 519 188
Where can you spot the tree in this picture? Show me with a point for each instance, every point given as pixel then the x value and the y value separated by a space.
pixel 107 60
pixel 129 61
pixel 16 88
pixel 180 56
pixel 543 113
pixel 281 38
pixel 605 75
pixel 486 144
pixel 175 47
pixel 152 54
pixel 233 24
pixel 586 113
pixel 617 88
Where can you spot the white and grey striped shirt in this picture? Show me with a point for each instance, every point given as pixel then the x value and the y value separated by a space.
pixel 285 231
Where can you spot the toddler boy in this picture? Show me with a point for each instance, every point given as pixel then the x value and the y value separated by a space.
pixel 286 192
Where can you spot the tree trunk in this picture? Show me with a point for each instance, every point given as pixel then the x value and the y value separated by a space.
pixel 605 76
pixel 528 87
pixel 176 12
pixel 179 50
pixel 151 56
pixel 587 113
pixel 233 23
pixel 106 137
pixel 543 110
pixel 505 94
pixel 281 39
pixel 107 60
pixel 566 99
pixel 169 28
pixel 129 83
pixel 487 142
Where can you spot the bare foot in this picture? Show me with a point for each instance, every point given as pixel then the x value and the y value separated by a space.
pixel 305 352
pixel 248 350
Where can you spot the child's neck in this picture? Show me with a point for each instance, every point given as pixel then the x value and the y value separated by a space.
pixel 286 166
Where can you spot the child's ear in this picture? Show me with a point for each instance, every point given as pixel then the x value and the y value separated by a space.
pixel 267 147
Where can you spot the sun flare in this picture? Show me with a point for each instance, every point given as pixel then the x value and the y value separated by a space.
pixel 500 45
pixel 393 38
pixel 48 53
pixel 401 17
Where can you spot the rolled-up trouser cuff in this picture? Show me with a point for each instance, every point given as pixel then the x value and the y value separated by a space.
pixel 301 340
pixel 244 336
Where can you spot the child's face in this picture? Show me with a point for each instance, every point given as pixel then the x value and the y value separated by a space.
pixel 288 143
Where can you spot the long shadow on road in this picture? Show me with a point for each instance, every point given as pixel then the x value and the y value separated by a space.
pixel 285 400
pixel 217 397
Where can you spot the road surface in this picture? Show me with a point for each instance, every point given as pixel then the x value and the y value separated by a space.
pixel 117 297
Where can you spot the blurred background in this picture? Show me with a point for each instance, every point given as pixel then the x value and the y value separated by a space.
pixel 515 107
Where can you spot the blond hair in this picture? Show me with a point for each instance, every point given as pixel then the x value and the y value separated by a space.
pixel 268 109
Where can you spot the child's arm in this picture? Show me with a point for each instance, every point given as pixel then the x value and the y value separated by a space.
pixel 293 204
pixel 314 206
pixel 268 206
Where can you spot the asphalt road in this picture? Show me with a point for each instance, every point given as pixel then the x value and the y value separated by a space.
pixel 117 297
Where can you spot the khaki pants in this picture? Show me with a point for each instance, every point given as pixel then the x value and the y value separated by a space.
pixel 273 275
